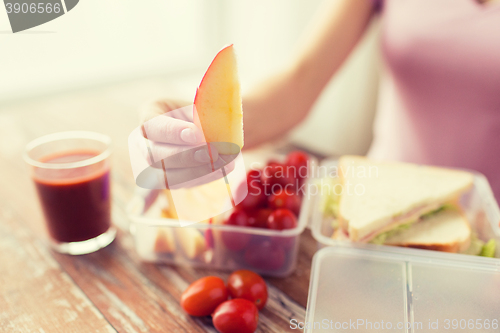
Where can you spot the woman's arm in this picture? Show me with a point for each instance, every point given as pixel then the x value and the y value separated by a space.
pixel 280 103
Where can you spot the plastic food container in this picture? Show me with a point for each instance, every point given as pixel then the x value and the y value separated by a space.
pixel 479 206
pixel 401 291
pixel 163 240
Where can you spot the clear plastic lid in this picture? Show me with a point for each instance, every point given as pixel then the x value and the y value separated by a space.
pixel 402 291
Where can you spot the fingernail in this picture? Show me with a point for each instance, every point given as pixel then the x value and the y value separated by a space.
pixel 188 135
pixel 202 156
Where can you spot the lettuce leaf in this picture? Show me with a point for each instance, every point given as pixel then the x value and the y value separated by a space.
pixel 476 245
pixel 488 249
pixel 447 206
pixel 380 239
pixel 479 248
pixel 330 200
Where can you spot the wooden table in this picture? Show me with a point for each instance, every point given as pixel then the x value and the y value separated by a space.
pixel 110 290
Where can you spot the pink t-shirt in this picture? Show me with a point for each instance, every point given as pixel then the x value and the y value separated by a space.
pixel 443 60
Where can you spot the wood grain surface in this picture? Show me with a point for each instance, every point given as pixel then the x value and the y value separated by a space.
pixel 110 290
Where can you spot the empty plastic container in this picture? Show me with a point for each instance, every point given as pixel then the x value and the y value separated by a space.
pixel 401 290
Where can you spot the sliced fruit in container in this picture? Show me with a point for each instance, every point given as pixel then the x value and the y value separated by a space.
pixel 191 241
pixel 164 242
pixel 209 236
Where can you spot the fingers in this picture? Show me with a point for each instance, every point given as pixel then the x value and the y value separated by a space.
pixel 175 178
pixel 177 146
pixel 175 157
pixel 166 129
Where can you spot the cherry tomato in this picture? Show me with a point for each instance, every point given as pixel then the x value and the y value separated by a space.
pixel 253 174
pixel 236 241
pixel 265 256
pixel 204 295
pixel 285 199
pixel 236 316
pixel 273 162
pixel 275 177
pixel 256 197
pixel 258 218
pixel 287 243
pixel 298 160
pixel 281 219
pixel 248 285
pixel 238 217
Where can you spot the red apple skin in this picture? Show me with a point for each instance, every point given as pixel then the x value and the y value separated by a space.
pixel 203 79
pixel 209 236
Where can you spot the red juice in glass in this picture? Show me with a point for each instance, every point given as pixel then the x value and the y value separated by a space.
pixel 71 174
pixel 76 202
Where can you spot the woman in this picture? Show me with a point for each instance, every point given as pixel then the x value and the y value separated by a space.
pixel 443 57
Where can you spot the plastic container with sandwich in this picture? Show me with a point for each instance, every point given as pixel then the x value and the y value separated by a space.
pixel 401 290
pixel 210 244
pixel 478 204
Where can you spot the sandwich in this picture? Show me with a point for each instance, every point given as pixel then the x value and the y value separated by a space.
pixel 400 204
pixel 447 231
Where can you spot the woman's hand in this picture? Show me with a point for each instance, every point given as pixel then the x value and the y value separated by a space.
pixel 176 145
pixel 168 125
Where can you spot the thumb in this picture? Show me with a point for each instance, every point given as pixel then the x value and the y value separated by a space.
pixel 169 130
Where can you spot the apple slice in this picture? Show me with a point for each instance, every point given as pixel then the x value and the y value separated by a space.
pixel 164 242
pixel 218 104
pixel 191 241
